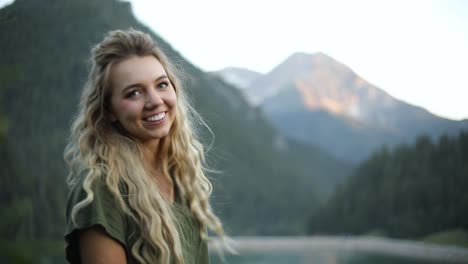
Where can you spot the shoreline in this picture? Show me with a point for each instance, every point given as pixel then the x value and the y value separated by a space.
pixel 306 245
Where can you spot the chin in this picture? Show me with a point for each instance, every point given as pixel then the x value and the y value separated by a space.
pixel 160 135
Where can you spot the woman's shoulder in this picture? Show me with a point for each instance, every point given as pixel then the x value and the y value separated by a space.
pixel 101 196
pixel 101 209
pixel 95 203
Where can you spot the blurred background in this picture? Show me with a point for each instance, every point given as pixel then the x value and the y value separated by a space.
pixel 341 130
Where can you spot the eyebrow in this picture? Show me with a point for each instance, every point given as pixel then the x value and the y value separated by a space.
pixel 139 85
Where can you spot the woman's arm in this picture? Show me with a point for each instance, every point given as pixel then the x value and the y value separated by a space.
pixel 97 247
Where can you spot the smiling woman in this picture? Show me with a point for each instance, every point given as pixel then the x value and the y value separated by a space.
pixel 138 191
pixel 143 99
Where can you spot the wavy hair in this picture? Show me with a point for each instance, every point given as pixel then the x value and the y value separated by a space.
pixel 99 151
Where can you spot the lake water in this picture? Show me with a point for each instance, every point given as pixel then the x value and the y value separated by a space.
pixel 336 250
pixel 320 258
pixel 281 250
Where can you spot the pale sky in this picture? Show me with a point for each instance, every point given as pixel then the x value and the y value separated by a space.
pixel 416 50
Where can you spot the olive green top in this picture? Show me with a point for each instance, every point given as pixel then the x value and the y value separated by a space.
pixel 104 211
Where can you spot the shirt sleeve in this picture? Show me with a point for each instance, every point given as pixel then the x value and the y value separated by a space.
pixel 103 211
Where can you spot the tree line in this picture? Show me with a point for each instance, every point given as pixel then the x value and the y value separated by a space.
pixel 405 192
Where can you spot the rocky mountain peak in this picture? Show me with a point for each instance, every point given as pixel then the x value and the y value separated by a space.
pixel 323 84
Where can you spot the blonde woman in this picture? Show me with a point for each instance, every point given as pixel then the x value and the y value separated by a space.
pixel 138 191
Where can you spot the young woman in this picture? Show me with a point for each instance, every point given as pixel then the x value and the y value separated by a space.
pixel 138 191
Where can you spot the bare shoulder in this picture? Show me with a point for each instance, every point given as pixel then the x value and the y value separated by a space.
pixel 97 247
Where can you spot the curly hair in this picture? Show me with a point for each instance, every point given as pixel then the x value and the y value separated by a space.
pixel 99 151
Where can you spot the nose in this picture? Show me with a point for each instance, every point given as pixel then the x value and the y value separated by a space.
pixel 153 99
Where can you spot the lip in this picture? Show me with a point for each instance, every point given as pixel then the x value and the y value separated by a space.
pixel 158 121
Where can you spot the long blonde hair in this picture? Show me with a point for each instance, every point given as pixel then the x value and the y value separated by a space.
pixel 101 152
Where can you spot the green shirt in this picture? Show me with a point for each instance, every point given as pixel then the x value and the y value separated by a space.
pixel 104 211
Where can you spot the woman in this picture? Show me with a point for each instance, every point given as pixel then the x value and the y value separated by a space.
pixel 138 191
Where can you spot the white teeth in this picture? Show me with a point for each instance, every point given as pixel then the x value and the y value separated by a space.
pixel 156 117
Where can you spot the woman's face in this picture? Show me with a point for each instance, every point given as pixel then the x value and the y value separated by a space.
pixel 143 99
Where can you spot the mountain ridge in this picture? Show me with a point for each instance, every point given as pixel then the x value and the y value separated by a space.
pixel 307 83
pixel 237 76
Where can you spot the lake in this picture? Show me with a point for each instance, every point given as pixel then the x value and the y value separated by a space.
pixel 336 250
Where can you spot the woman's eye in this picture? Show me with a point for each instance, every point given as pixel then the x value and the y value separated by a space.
pixel 163 84
pixel 133 93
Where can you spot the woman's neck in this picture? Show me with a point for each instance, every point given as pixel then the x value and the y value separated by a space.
pixel 150 151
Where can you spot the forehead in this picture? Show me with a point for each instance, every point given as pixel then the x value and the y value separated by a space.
pixel 136 70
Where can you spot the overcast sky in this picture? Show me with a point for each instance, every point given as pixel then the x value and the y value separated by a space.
pixel 416 50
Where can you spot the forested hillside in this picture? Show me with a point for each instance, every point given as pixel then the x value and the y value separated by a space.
pixel 265 183
pixel 407 192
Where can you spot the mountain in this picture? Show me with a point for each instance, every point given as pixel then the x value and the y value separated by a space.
pixel 265 183
pixel 239 77
pixel 316 99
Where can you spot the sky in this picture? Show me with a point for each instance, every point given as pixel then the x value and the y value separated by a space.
pixel 415 50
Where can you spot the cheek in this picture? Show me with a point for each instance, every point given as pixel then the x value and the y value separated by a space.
pixel 125 110
pixel 173 100
pixel 174 103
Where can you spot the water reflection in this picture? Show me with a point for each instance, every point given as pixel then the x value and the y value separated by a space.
pixel 338 250
pixel 323 257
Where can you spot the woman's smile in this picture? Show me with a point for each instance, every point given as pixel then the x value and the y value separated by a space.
pixel 155 120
